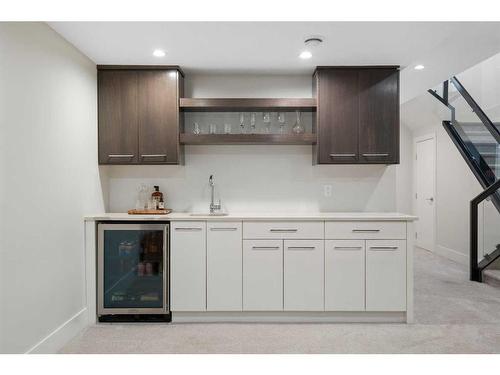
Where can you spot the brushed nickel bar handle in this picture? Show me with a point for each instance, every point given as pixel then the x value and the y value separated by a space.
pixel 120 155
pixel 301 247
pixel 374 155
pixel 153 155
pixel 382 248
pixel 222 229
pixel 265 247
pixel 342 155
pixel 283 230
pixel 188 228
pixel 366 230
pixel 348 247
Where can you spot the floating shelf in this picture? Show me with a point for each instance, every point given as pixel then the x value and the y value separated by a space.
pixel 248 139
pixel 242 104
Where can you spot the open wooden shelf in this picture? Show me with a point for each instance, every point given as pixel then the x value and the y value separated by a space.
pixel 242 104
pixel 248 139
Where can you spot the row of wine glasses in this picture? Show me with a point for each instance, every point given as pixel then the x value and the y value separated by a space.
pixel 298 128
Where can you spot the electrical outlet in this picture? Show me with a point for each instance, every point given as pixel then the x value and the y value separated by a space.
pixel 327 190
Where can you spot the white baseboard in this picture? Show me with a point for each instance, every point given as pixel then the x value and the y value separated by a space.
pixel 452 254
pixel 61 335
pixel 289 317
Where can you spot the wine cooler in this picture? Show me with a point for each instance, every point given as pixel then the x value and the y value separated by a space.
pixel 133 272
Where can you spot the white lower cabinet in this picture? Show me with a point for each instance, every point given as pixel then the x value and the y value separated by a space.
pixel 344 275
pixel 303 275
pixel 262 275
pixel 224 266
pixel 385 275
pixel 188 266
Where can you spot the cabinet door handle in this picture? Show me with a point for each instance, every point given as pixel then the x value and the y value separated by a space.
pixel 188 228
pixel 265 247
pixel 348 247
pixel 301 247
pixel 283 230
pixel 222 229
pixel 384 248
pixel 374 155
pixel 154 156
pixel 366 230
pixel 342 155
pixel 120 156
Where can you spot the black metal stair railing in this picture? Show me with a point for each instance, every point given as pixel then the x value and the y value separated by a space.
pixel 476 268
pixel 477 160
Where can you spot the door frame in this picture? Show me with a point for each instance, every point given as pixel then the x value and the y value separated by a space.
pixel 416 140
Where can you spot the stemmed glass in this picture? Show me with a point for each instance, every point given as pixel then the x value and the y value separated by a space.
pixel 298 128
pixel 252 122
pixel 266 118
pixel 242 122
pixel 281 121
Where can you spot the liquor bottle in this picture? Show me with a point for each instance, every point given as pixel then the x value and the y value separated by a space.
pixel 157 195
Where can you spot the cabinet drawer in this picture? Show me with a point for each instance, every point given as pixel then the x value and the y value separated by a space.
pixel 262 275
pixel 385 275
pixel 344 275
pixel 365 230
pixel 283 230
pixel 303 275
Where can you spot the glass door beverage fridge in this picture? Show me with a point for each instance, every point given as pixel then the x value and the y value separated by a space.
pixel 133 272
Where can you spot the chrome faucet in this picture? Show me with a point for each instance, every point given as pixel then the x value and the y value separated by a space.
pixel 213 207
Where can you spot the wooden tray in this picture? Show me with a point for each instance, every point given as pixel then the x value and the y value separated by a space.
pixel 149 212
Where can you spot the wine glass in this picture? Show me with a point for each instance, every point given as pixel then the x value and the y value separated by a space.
pixel 252 122
pixel 196 129
pixel 242 122
pixel 266 118
pixel 298 128
pixel 281 121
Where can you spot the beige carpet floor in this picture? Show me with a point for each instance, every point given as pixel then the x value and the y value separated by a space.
pixel 452 315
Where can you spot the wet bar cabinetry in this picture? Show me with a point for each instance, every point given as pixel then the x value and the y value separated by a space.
pixel 138 109
pixel 357 120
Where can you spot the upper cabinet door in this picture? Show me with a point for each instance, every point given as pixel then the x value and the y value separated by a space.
pixel 379 116
pixel 118 117
pixel 337 116
pixel 158 117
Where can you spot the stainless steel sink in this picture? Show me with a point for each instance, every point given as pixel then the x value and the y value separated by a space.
pixel 209 214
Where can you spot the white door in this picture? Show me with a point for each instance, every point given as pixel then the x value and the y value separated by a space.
pixel 262 275
pixel 188 266
pixel 425 192
pixel 303 275
pixel 344 275
pixel 224 266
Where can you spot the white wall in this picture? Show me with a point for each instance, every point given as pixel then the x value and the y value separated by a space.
pixel 49 180
pixel 455 183
pixel 264 178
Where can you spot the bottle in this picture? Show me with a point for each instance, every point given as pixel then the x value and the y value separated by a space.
pixel 156 196
pixel 161 204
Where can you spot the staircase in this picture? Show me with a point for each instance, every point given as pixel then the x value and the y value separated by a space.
pixel 478 140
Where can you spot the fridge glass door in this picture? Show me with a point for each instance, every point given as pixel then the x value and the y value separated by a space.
pixel 132 264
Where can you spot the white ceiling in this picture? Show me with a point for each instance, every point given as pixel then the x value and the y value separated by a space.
pixel 254 46
pixel 273 47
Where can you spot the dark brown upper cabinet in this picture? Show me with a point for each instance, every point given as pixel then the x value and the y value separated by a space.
pixel 357 120
pixel 139 117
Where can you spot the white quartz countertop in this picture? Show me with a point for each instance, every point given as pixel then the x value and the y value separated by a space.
pixel 312 216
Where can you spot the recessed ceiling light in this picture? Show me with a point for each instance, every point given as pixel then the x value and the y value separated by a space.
pixel 419 67
pixel 305 55
pixel 158 53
